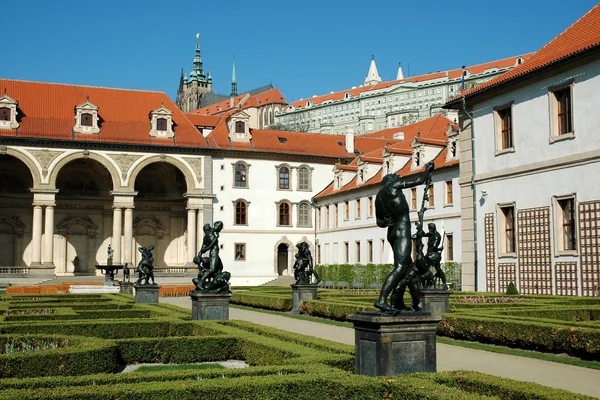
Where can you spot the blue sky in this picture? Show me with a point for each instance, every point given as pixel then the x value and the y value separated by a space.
pixel 303 47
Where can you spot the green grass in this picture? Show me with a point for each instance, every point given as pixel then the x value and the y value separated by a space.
pixel 179 367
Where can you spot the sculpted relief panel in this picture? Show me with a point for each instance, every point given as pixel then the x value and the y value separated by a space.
pixel 45 158
pixel 124 161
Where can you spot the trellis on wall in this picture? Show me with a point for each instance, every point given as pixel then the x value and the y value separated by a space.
pixel 535 266
pixel 490 257
pixel 566 278
pixel 589 247
pixel 507 272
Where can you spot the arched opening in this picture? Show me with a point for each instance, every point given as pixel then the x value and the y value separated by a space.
pixel 83 216
pixel 15 210
pixel 159 217
pixel 282 259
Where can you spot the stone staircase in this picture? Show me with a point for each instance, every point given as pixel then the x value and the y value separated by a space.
pixel 59 280
pixel 282 280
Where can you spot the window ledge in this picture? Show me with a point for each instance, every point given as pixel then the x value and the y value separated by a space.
pixel 240 224
pixel 240 187
pixel 284 190
pixel 504 151
pixel 449 205
pixel 507 255
pixel 566 253
pixel 243 260
pixel 284 226
pixel 560 138
pixel 301 190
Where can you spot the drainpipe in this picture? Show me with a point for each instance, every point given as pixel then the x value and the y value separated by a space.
pixel 473 186
pixel 314 206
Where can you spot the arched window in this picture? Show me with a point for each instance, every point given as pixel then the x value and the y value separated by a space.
pixel 284 178
pixel 304 218
pixel 270 117
pixel 241 213
pixel 284 214
pixel 4 114
pixel 240 127
pixel 304 178
pixel 161 124
pixel 241 177
pixel 88 120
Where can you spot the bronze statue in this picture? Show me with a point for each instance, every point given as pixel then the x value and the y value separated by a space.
pixel 126 273
pixel 109 255
pixel 303 266
pixel 434 258
pixel 145 267
pixel 392 211
pixel 211 277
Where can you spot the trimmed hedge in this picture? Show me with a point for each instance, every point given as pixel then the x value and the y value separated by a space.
pixel 266 301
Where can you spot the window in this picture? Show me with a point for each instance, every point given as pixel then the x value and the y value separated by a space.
pixel 431 198
pixel 335 216
pixel 565 224
pixel 358 251
pixel 241 213
pixel 161 123
pixel 319 218
pixel 369 251
pixel 240 251
pixel 240 127
pixel 284 214
pixel 370 206
pixel 241 178
pixel 327 217
pixel 357 208
pixel 346 210
pixel 5 114
pixel 507 225
pixel 561 111
pixel 413 198
pixel 318 254
pixel 346 252
pixel 88 120
pixel 284 178
pixel 504 131
pixel 449 194
pixel 449 247
pixel 304 214
pixel 304 178
pixel 381 250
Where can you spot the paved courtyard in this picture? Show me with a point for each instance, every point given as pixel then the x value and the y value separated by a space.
pixel 561 376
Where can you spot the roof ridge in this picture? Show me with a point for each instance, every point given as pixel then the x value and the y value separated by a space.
pixel 568 28
pixel 83 86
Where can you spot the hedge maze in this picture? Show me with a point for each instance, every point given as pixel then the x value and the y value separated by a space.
pixel 73 347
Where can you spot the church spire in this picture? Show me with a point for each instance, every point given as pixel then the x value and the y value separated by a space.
pixel 373 77
pixel 400 74
pixel 234 91
pixel 197 74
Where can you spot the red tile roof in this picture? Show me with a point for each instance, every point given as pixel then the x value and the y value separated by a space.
pixel 581 36
pixel 425 127
pixel 271 96
pixel 47 111
pixel 451 74
pixel 203 120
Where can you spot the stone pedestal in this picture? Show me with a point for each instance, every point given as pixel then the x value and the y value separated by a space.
pixel 210 306
pixel 435 301
pixel 300 293
pixel 146 293
pixel 126 287
pixel 388 345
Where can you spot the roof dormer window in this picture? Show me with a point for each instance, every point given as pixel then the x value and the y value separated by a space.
pixel 8 113
pixel 86 118
pixel 161 123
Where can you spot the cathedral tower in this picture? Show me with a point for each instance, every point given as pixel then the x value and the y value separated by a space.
pixel 190 92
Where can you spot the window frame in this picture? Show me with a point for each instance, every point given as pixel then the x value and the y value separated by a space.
pixel 431 196
pixel 357 251
pixel 370 207
pixel 346 252
pixel 502 231
pixel 236 203
pixel 289 213
pixel 559 225
pixel 238 125
pixel 370 251
pixel 554 112
pixel 449 246
pixel 449 198
pixel 308 215
pixel 413 199
pixel 500 147
pixel 159 121
pixel 357 209
pixel 289 177
pixel 336 215
pixel 346 210
pixel 308 178
pixel 235 251
pixel 247 167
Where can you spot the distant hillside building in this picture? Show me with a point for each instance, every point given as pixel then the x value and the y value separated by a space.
pixel 378 105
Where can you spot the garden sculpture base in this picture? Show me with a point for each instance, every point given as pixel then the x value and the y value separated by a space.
pixel 126 287
pixel 207 306
pixel 388 344
pixel 435 301
pixel 146 293
pixel 300 293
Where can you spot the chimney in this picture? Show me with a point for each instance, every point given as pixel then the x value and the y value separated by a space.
pixel 350 139
pixel 231 102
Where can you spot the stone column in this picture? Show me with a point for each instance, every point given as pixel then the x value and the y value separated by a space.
pixel 128 235
pixel 199 230
pixel 191 236
pixel 49 237
pixel 116 235
pixel 36 236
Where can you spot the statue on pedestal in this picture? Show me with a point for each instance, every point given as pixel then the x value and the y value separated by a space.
pixel 433 259
pixel 211 277
pixel 393 212
pixel 145 267
pixel 109 255
pixel 126 273
pixel 303 266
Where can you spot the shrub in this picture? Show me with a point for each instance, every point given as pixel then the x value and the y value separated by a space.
pixel 512 290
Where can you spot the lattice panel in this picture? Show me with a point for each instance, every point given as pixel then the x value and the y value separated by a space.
pixel 490 253
pixel 535 265
pixel 566 278
pixel 507 272
pixel 589 247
